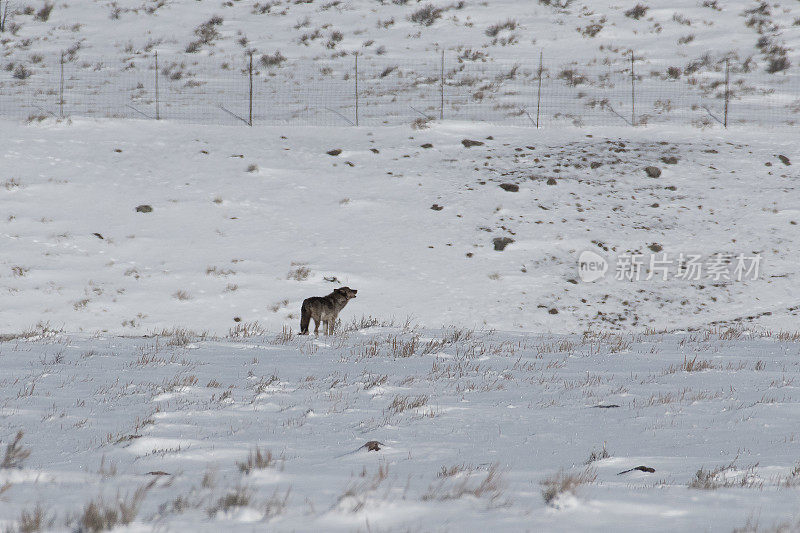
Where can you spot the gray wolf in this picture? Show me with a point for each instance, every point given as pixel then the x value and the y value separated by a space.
pixel 324 309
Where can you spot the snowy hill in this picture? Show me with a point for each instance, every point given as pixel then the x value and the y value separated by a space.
pixel 487 54
pixel 246 223
pixel 587 325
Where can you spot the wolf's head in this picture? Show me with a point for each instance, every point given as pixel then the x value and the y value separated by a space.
pixel 347 292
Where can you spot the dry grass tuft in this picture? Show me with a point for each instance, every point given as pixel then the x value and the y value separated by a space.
pixel 257 460
pixel 726 477
pixel 237 497
pixel 181 336
pixel 15 453
pixel 299 272
pixel 284 337
pixel 563 483
pixel 276 504
pixel 355 496
pixel 788 336
pixel 598 455
pixel 691 365
pixel 101 516
pixel 246 329
pixel 404 403
pixel 460 483
pixel 32 521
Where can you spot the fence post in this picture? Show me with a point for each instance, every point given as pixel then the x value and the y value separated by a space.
pixel 250 113
pixel 3 18
pixel 61 88
pixel 441 91
pixel 633 94
pixel 539 91
pixel 727 92
pixel 158 117
pixel 356 88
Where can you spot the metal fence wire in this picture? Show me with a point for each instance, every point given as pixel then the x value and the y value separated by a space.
pixel 376 90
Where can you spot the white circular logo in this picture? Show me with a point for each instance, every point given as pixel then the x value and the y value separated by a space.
pixel 591 266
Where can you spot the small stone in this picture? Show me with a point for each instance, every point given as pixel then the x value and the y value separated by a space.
pixel 426 145
pixel 652 172
pixel 334 152
pixel 670 160
pixel 510 187
pixel 595 164
pixel 500 243
pixel 437 207
pixel 553 311
pixel 784 160
pixel 468 143
pixel 144 208
pixel 655 247
pixel 551 181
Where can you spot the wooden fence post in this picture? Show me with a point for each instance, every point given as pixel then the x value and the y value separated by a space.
pixel 441 90
pixel 539 90
pixel 158 116
pixel 61 89
pixel 727 92
pixel 633 93
pixel 250 114
pixel 356 88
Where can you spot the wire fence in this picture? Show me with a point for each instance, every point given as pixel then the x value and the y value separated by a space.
pixel 378 90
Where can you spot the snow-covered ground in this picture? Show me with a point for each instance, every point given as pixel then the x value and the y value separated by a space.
pixel 478 430
pixel 246 223
pixel 152 272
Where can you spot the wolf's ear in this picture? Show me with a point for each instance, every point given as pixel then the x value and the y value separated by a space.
pixel 355 291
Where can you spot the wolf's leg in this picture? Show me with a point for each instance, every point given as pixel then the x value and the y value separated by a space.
pixel 305 318
pixel 316 326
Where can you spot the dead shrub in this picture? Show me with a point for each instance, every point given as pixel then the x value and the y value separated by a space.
pixel 15 453
pixel 563 483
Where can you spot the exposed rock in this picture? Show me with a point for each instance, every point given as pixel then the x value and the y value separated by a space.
pixel 670 160
pixel 510 187
pixel 144 208
pixel 500 243
pixel 784 160
pixel 652 172
pixel 468 143
pixel 334 152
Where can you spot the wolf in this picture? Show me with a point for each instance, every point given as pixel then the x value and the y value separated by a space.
pixel 324 309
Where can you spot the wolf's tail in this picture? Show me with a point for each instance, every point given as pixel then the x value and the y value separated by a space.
pixel 305 318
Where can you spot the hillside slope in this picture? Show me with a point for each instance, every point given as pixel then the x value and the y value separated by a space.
pixel 248 222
